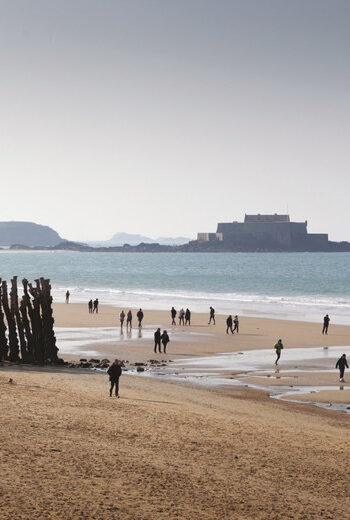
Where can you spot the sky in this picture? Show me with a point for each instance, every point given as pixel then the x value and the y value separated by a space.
pixel 164 117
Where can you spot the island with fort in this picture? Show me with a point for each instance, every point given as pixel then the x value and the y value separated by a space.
pixel 257 233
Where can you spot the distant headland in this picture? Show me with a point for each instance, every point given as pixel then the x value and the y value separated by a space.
pixel 257 233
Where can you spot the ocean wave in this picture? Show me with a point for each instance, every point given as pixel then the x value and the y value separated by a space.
pixel 299 306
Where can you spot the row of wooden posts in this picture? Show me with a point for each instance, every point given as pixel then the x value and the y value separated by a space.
pixel 26 325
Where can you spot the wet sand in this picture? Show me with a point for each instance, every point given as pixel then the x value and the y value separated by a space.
pixel 307 352
pixel 200 339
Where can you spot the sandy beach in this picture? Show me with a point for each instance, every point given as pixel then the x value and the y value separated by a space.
pixel 167 450
pixel 255 333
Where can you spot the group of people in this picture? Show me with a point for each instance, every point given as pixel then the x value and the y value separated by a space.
pixel 159 339
pixel 128 317
pixel 230 322
pixel 115 370
pixel 93 306
pixel 184 316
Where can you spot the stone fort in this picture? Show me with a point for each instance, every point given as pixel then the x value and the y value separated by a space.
pixel 265 232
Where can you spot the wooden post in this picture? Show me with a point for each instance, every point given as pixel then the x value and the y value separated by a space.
pixel 17 317
pixel 3 339
pixel 36 325
pixel 11 323
pixel 27 313
pixel 49 338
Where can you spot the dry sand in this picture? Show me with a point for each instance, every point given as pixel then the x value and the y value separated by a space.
pixel 165 450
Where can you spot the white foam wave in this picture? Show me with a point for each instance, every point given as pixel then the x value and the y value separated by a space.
pixel 299 307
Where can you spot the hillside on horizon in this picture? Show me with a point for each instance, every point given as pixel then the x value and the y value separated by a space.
pixel 121 238
pixel 27 234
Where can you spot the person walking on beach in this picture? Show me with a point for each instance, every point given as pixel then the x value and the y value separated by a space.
pixel 181 316
pixel 326 321
pixel 122 318
pixel 278 346
pixel 188 317
pixel 229 324
pixel 211 315
pixel 90 304
pixel 173 315
pixel 129 319
pixel 95 309
pixel 165 340
pixel 341 364
pixel 114 372
pixel 67 296
pixel 236 322
pixel 157 338
pixel 140 317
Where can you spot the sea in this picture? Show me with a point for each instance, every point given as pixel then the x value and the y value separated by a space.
pixel 293 286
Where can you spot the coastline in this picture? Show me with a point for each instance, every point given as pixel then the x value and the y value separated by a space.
pixel 205 355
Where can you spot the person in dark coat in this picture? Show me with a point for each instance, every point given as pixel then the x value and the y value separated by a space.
pixel 90 306
pixel 326 321
pixel 341 364
pixel 229 324
pixel 67 296
pixel 95 309
pixel 165 340
pixel 188 317
pixel 157 338
pixel 278 347
pixel 173 315
pixel 140 317
pixel 114 372
pixel 211 315
pixel 129 319
pixel 236 322
pixel 122 318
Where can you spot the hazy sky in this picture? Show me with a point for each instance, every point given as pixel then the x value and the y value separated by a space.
pixel 164 117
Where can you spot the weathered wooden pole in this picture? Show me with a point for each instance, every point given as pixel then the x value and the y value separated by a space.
pixel 11 323
pixel 17 317
pixel 27 317
pixel 49 337
pixel 38 348
pixel 3 339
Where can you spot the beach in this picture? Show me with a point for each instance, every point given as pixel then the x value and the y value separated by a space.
pixel 166 449
pixel 201 339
